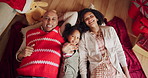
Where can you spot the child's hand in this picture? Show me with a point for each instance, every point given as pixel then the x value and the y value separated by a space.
pixel 69 48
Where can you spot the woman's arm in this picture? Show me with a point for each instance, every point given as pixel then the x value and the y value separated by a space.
pixel 120 53
pixel 83 58
pixel 118 48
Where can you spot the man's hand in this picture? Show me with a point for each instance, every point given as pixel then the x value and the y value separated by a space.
pixel 26 52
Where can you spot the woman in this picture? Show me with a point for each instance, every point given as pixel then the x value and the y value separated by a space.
pixel 101 47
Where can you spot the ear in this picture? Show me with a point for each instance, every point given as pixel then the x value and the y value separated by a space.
pixel 32 7
pixel 97 19
pixel 42 4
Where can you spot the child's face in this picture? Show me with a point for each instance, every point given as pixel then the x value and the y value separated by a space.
pixel 74 37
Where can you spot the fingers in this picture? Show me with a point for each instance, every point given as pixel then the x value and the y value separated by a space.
pixel 74 47
pixel 28 50
pixel 66 44
pixel 27 54
pixel 32 45
pixel 69 48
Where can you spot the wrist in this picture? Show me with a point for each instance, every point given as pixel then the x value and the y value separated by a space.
pixel 20 56
pixel 67 55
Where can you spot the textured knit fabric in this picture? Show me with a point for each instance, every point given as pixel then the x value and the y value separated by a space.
pixel 70 66
pixel 45 59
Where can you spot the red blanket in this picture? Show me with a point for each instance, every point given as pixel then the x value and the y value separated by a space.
pixel 134 66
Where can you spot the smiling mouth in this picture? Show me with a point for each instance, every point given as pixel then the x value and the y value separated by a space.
pixel 73 42
pixel 49 26
pixel 91 22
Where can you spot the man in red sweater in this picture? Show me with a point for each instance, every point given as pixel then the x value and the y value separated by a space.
pixel 43 49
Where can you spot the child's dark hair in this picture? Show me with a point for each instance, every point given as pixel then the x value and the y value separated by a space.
pixel 97 14
pixel 69 30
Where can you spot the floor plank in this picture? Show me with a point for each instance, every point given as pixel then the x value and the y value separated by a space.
pixel 109 8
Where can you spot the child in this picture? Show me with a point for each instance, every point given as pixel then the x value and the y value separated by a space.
pixel 70 63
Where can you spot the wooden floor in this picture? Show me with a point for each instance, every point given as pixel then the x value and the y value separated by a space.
pixel 109 8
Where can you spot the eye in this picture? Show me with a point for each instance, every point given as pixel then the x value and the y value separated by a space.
pixel 54 19
pixel 91 16
pixel 46 18
pixel 86 19
pixel 78 37
pixel 35 6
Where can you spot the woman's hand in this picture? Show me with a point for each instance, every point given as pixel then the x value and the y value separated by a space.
pixel 126 72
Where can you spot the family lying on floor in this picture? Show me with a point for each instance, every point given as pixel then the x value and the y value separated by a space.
pixel 80 44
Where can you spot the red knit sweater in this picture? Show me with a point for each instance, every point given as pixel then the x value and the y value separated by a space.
pixel 45 59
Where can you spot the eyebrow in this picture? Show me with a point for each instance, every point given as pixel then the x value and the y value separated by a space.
pixel 49 17
pixel 90 14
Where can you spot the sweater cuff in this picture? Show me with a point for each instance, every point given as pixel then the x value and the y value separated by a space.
pixel 66 55
pixel 123 63
pixel 17 56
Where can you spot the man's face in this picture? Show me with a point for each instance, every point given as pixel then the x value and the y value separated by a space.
pixel 50 21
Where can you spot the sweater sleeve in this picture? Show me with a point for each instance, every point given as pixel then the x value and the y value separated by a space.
pixel 69 17
pixel 118 48
pixel 23 45
pixel 83 58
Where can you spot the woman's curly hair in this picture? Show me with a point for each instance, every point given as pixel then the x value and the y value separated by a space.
pixel 97 14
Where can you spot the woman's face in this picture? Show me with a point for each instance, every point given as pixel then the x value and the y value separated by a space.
pixel 74 37
pixel 90 19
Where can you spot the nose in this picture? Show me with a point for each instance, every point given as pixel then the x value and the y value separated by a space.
pixel 88 19
pixel 49 21
pixel 75 39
